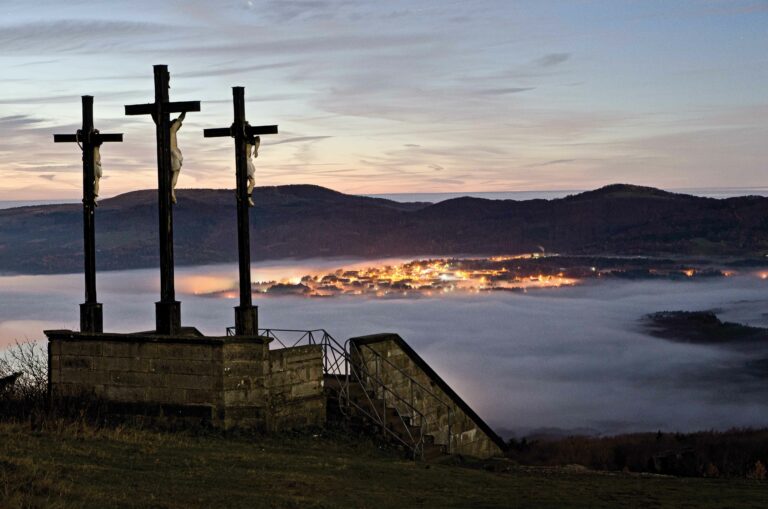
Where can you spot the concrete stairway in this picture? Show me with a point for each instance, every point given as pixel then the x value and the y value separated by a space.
pixel 380 385
pixel 358 408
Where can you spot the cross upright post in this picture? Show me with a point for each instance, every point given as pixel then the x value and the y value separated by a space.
pixel 90 140
pixel 168 309
pixel 246 314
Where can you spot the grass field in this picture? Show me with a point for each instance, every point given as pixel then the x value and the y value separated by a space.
pixel 71 466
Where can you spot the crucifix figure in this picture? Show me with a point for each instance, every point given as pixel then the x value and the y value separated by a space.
pixel 246 139
pixel 251 153
pixel 89 140
pixel 97 171
pixel 168 309
pixel 176 158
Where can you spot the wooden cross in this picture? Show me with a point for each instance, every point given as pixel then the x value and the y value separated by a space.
pixel 168 309
pixel 246 315
pixel 89 139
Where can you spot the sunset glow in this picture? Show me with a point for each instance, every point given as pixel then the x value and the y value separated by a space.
pixel 395 97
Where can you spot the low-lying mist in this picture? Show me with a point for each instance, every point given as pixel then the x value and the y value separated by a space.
pixel 570 357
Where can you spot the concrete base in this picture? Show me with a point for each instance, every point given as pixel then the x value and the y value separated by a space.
pixel 168 317
pixel 91 317
pixel 246 320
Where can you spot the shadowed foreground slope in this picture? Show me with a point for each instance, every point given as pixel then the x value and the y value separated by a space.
pixel 78 467
pixel 308 221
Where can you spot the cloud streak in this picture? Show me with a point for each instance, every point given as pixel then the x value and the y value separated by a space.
pixel 505 91
pixel 552 59
pixel 75 36
pixel 300 139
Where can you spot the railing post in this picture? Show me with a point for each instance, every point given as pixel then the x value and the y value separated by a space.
pixel 410 386
pixel 348 369
pixel 383 394
pixel 326 362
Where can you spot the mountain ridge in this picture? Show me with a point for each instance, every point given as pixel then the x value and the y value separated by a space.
pixel 307 221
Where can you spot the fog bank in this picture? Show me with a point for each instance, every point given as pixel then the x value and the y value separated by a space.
pixel 563 357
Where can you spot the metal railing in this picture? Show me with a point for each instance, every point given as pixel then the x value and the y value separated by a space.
pixel 374 375
pixel 376 396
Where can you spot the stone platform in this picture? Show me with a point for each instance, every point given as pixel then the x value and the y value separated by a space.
pixel 229 382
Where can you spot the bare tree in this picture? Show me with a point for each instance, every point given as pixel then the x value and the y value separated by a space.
pixel 30 359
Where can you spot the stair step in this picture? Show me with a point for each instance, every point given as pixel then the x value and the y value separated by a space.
pixel 360 408
pixel 432 452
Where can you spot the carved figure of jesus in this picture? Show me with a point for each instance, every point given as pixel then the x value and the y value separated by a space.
pixel 176 158
pixel 251 173
pixel 96 172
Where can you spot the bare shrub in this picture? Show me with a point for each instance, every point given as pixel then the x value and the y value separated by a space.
pixel 26 398
pixel 30 359
pixel 759 472
pixel 735 453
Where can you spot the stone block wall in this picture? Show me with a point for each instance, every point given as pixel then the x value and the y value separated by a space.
pixel 296 387
pixel 445 415
pixel 245 392
pixel 220 380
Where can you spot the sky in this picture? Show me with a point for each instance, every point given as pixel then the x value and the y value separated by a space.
pixel 400 96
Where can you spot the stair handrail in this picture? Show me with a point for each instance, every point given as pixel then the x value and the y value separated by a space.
pixel 379 357
pixel 416 443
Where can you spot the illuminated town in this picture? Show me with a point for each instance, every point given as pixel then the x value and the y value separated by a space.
pixel 440 276
pixel 422 278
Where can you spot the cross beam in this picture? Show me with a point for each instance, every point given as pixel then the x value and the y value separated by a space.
pixel 174 107
pixel 250 131
pixel 168 309
pixel 80 138
pixel 91 315
pixel 246 315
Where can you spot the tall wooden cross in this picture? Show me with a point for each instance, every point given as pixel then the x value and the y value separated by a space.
pixel 89 139
pixel 246 315
pixel 168 309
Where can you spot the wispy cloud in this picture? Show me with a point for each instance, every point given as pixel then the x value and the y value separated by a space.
pixel 59 99
pixel 551 163
pixel 320 43
pixel 504 91
pixel 552 59
pixel 16 122
pixel 228 71
pixel 287 11
pixel 75 36
pixel 300 139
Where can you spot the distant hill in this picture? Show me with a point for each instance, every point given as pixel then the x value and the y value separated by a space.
pixel 304 221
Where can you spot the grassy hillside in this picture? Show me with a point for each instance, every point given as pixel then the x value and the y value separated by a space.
pixel 71 466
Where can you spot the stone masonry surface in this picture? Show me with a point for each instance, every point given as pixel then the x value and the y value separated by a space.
pixel 296 387
pixel 224 380
pixel 445 416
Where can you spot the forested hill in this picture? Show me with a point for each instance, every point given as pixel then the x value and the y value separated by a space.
pixel 303 221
